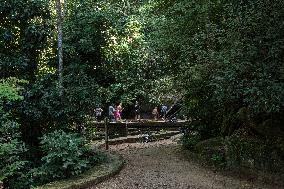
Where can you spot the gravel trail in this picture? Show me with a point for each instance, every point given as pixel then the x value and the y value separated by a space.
pixel 160 165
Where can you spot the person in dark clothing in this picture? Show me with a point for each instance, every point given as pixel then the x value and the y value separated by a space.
pixel 111 112
pixel 98 112
pixel 137 111
pixel 164 109
pixel 172 112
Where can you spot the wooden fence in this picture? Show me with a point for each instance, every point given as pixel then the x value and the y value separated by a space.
pixel 122 128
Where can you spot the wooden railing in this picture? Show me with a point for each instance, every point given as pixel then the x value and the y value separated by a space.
pixel 122 128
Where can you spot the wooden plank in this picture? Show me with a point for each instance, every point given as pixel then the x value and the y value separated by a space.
pixel 144 124
pixel 106 133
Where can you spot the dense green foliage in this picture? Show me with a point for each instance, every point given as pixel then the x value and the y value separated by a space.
pixel 64 155
pixel 25 28
pixel 224 59
pixel 12 149
pixel 231 56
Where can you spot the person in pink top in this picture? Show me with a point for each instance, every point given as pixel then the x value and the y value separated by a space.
pixel 118 112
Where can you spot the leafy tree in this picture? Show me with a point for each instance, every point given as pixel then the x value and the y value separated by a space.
pixel 12 149
pixel 25 29
pixel 230 54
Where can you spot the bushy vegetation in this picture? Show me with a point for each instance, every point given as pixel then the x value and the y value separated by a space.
pixel 252 151
pixel 12 149
pixel 64 155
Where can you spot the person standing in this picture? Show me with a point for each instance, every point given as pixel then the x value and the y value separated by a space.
pixel 118 112
pixel 137 111
pixel 98 112
pixel 164 109
pixel 111 113
pixel 155 113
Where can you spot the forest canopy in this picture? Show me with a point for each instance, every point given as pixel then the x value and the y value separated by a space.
pixel 223 59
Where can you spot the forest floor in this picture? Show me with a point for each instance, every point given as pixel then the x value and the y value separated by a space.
pixel 162 165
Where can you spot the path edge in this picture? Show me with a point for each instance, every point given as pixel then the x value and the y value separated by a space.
pixel 95 175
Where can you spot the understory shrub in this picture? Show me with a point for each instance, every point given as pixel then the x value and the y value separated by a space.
pixel 190 140
pixel 195 132
pixel 213 150
pixel 89 129
pixel 12 164
pixel 241 149
pixel 247 150
pixel 65 155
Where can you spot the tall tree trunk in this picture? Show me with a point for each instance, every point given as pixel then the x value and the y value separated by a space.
pixel 64 11
pixel 60 50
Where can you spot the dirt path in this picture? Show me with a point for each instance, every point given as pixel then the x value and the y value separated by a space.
pixel 159 165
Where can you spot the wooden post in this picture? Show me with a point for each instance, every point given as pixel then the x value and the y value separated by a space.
pixel 106 132
pixel 126 129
